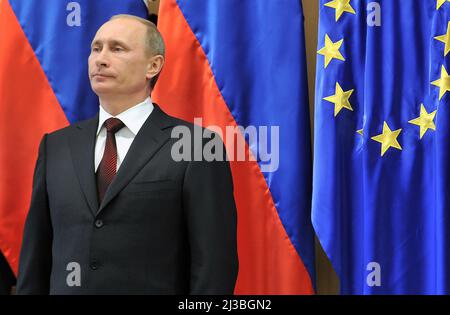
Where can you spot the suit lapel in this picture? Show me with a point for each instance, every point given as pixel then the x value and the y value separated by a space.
pixel 82 144
pixel 147 142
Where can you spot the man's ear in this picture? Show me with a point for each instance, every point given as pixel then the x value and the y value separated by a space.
pixel 154 66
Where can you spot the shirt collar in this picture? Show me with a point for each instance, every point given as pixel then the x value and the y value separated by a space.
pixel 133 118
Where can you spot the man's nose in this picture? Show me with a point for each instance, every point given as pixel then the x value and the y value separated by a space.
pixel 102 59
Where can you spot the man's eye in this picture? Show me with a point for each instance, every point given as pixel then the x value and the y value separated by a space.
pixel 118 49
pixel 95 49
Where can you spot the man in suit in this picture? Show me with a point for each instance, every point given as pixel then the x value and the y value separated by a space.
pixel 112 212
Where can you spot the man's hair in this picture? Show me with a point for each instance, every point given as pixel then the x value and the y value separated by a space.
pixel 154 42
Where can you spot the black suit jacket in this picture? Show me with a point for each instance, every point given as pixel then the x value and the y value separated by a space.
pixel 164 227
pixel 7 279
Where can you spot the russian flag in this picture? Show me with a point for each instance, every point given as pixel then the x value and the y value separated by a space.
pixel 242 63
pixel 44 86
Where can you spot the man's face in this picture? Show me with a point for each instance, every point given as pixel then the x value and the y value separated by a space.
pixel 119 61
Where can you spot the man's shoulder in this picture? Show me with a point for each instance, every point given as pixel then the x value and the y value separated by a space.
pixel 193 133
pixel 169 122
pixel 76 125
pixel 63 133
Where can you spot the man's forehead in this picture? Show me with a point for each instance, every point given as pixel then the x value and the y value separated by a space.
pixel 119 29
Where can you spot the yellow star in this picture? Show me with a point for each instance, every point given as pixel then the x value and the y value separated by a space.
pixel 439 3
pixel 443 83
pixel 340 6
pixel 340 99
pixel 360 131
pixel 388 138
pixel 331 50
pixel 425 121
pixel 445 39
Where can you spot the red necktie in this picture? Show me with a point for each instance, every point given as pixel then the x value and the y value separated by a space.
pixel 108 166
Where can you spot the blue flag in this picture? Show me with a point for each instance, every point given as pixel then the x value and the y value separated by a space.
pixel 381 183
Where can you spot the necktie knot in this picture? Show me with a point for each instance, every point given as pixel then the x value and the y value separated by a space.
pixel 113 125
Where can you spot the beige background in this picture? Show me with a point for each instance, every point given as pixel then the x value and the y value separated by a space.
pixel 327 281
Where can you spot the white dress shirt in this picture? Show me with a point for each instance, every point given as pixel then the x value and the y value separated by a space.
pixel 133 118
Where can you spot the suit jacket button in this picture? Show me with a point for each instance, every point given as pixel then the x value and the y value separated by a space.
pixel 98 223
pixel 94 265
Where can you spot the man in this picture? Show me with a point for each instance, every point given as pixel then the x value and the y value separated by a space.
pixel 112 212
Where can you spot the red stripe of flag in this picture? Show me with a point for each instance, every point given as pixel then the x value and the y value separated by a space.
pixel 28 109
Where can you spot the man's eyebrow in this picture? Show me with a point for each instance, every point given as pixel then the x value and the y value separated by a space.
pixel 95 42
pixel 116 42
pixel 111 42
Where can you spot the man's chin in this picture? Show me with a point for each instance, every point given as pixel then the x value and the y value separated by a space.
pixel 101 89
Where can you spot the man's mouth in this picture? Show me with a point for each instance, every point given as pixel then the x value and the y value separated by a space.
pixel 102 74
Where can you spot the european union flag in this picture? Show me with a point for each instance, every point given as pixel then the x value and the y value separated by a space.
pixel 381 192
